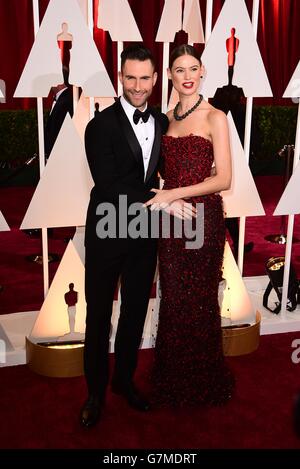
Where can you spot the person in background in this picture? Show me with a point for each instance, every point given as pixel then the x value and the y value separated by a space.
pixel 61 105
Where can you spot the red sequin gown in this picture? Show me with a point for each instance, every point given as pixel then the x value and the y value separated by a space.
pixel 189 366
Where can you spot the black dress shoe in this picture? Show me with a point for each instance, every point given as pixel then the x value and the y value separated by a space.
pixel 91 411
pixel 132 395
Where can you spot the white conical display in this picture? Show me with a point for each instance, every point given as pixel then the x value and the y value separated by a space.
pixel 5 344
pixel 242 199
pixel 52 321
pixel 104 102
pixel 249 71
pixel 2 91
pixel 289 203
pixel 83 4
pixel 236 303
pixel 174 98
pixel 192 21
pixel 82 113
pixel 86 66
pixel 3 224
pixel 170 21
pixel 115 16
pixel 78 241
pixel 62 195
pixel 293 88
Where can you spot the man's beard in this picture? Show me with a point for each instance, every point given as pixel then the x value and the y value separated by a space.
pixel 128 98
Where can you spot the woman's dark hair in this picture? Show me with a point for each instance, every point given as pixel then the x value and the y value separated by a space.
pixel 136 52
pixel 184 49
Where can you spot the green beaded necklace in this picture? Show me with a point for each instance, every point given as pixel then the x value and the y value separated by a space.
pixel 187 113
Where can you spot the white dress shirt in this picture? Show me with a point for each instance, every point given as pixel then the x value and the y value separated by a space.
pixel 144 131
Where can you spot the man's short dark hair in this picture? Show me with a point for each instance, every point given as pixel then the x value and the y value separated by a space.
pixel 136 52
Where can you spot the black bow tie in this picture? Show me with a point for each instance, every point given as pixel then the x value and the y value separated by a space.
pixel 141 115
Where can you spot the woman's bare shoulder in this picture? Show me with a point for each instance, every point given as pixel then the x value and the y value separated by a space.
pixel 216 116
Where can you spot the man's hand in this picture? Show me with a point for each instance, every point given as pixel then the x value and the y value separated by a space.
pixel 179 209
pixel 162 196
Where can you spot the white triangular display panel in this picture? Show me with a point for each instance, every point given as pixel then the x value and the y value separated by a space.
pixel 52 321
pixel 104 102
pixel 236 303
pixel 242 199
pixel 83 4
pixel 3 224
pixel 86 66
pixel 5 344
pixel 170 21
pixel 82 113
pixel 192 21
pixel 289 203
pixel 78 242
pixel 116 17
pixel 2 91
pixel 62 194
pixel 174 98
pixel 249 70
pixel 293 88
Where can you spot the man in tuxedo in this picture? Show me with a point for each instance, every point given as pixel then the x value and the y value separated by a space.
pixel 123 148
pixel 62 104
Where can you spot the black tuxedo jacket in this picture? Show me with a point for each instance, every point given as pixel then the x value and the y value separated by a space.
pixel 55 120
pixel 116 163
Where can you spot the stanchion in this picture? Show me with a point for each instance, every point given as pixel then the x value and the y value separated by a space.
pixel 18 170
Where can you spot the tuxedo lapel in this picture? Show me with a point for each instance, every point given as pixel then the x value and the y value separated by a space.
pixel 155 153
pixel 129 133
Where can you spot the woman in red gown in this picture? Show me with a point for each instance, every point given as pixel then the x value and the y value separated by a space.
pixel 189 366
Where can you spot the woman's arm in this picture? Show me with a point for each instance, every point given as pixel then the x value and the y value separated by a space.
pixel 221 180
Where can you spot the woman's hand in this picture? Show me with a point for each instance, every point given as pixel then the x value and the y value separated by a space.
pixel 164 200
pixel 180 209
pixel 162 197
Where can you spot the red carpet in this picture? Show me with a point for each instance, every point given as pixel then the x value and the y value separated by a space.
pixel 270 189
pixel 23 283
pixel 23 280
pixel 40 412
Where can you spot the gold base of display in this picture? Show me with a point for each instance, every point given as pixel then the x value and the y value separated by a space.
pixel 56 360
pixel 65 360
pixel 241 340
